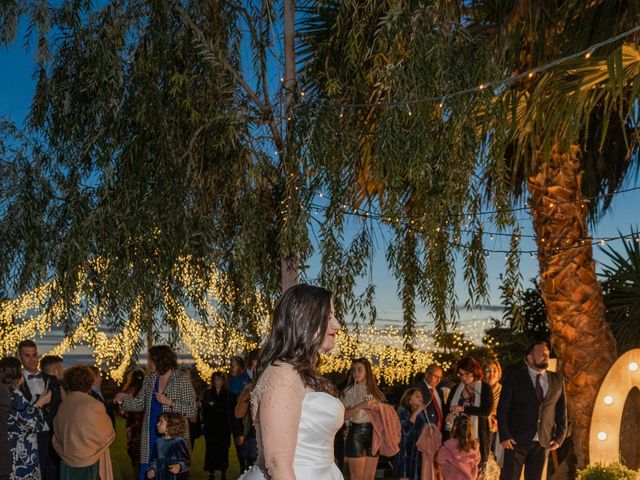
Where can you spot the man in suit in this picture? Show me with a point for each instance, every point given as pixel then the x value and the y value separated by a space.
pixel 532 415
pixel 96 392
pixel 36 384
pixel 433 395
pixel 5 454
pixel 52 365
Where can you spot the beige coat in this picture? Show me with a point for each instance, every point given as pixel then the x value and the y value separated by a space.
pixel 83 433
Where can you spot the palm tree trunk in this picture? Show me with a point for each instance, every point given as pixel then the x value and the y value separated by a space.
pixel 288 261
pixel 581 336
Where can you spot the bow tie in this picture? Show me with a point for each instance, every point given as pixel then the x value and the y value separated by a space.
pixel 31 377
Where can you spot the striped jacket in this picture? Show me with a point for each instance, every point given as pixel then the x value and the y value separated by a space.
pixel 179 389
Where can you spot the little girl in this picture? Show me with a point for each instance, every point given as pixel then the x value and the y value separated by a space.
pixel 170 458
pixel 459 456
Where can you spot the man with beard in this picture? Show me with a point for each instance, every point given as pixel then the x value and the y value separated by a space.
pixel 532 415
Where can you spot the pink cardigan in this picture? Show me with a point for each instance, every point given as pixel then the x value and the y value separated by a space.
pixel 458 465
pixel 386 430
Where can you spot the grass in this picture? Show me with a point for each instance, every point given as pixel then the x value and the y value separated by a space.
pixel 122 469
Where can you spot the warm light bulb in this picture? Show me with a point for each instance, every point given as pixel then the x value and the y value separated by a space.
pixel 633 366
pixel 602 435
pixel 608 400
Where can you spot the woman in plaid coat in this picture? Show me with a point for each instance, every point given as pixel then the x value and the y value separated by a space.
pixel 165 389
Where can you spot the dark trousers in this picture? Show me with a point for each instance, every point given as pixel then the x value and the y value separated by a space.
pixel 242 460
pixel 49 460
pixel 532 459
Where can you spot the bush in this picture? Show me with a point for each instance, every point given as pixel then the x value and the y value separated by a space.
pixel 612 471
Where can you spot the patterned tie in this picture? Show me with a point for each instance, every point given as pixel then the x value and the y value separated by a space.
pixel 539 391
pixel 437 405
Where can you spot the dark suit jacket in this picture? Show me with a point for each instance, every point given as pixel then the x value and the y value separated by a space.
pixel 482 412
pixel 5 408
pixel 51 408
pixel 108 406
pixel 432 412
pixel 521 416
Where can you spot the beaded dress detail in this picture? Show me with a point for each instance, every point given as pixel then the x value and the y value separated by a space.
pixel 295 428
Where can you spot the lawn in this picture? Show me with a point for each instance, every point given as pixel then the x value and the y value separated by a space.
pixel 122 466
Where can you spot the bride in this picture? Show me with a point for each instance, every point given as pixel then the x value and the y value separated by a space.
pixel 294 409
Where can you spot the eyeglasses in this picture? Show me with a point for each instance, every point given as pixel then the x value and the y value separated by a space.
pixel 490 370
pixel 462 373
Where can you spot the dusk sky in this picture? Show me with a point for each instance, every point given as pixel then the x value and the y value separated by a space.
pixel 16 90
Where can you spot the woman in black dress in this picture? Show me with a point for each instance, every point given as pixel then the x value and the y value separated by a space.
pixel 216 429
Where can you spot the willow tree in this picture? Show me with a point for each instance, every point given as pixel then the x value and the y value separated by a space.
pixel 393 144
pixel 136 164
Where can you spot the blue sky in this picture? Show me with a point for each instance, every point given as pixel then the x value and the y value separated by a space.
pixel 16 90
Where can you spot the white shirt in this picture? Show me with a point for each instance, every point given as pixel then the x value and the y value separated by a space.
pixel 544 383
pixel 36 387
pixel 544 379
pixel 434 394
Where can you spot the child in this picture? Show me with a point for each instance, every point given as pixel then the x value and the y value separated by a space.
pixel 413 420
pixel 459 456
pixel 171 458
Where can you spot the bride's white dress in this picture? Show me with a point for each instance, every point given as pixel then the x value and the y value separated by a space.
pixel 321 416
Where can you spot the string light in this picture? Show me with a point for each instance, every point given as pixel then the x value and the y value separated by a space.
pixel 456 243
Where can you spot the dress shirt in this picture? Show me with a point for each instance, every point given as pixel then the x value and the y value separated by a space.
pixel 434 394
pixel 544 383
pixel 36 387
pixel 544 379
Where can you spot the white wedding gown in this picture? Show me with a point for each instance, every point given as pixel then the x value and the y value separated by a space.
pixel 321 416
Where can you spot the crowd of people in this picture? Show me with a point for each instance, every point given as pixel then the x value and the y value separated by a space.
pixel 285 420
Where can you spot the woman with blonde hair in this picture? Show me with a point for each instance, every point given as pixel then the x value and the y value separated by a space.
pixel 360 394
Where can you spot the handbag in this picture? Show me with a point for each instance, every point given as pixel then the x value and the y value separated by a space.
pixel 254 472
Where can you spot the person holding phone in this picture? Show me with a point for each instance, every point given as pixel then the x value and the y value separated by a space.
pixel 36 384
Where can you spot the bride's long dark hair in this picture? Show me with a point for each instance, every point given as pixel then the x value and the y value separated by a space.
pixel 298 328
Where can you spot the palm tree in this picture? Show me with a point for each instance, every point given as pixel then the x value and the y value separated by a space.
pixel 562 136
pixel 571 135
pixel 621 285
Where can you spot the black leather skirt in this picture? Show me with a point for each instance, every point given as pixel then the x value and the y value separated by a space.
pixel 358 443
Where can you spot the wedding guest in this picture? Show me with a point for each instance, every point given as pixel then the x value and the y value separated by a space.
pixel 459 456
pixel 171 457
pixel 492 375
pixel 96 392
pixel 413 419
pixel 133 424
pixel 360 394
pixel 532 415
pixel 165 389
pixel 474 398
pixel 433 394
pixel 216 428
pixel 35 385
pixel 52 365
pixel 83 431
pixel 239 380
pixel 6 404
pixel 24 422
